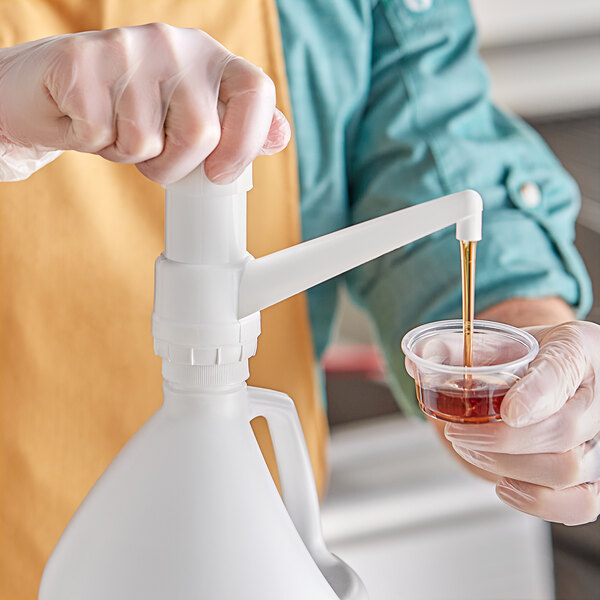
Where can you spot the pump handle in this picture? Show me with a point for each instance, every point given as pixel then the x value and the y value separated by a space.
pixel 298 487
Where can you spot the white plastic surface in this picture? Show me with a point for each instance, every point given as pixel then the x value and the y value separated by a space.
pixel 195 321
pixel 298 487
pixel 205 222
pixel 198 185
pixel 188 511
pixel 278 276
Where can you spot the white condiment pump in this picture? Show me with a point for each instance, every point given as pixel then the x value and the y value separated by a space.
pixel 188 510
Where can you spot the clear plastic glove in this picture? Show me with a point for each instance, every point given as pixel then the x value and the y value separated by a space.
pixel 161 97
pixel 545 454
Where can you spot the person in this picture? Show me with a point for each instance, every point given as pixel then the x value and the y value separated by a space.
pixel 390 107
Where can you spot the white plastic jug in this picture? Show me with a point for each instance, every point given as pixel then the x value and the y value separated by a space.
pixel 188 509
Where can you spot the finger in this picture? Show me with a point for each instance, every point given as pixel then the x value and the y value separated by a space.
pixel 139 125
pixel 84 118
pixel 191 131
pixel 410 367
pixel 576 423
pixel 444 350
pixel 279 134
pixel 249 99
pixel 552 378
pixel 136 102
pixel 447 349
pixel 554 470
pixel 572 506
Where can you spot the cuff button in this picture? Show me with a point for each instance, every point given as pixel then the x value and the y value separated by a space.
pixel 418 5
pixel 531 195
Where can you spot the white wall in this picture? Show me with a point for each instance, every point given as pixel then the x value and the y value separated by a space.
pixel 543 55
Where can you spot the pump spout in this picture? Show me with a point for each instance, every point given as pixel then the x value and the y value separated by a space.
pixel 275 277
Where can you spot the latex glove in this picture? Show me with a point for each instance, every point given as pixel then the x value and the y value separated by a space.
pixel 149 95
pixel 545 453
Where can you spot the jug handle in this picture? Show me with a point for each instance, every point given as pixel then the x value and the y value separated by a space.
pixel 298 487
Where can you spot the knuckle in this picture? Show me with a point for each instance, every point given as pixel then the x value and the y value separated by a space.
pixel 117 37
pixel 545 500
pixel 572 336
pixel 263 85
pixel 72 45
pixel 159 28
pixel 140 147
pixel 590 503
pixel 570 434
pixel 74 51
pixel 202 134
pixel 569 470
pixel 95 137
pixel 250 78
pixel 161 38
pixel 593 328
pixel 117 47
pixel 159 32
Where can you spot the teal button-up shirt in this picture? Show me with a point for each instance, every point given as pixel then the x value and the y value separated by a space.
pixel 391 108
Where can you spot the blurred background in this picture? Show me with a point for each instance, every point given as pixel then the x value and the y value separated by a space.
pixel 399 510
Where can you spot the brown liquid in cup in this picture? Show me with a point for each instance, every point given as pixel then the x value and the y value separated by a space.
pixel 463 400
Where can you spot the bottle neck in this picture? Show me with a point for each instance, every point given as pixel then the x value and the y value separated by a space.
pixel 175 390
pixel 220 402
pixel 204 376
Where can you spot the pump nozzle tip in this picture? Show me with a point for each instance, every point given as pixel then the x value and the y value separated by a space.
pixel 469 228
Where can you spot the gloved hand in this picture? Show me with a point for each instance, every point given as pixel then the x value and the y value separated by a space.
pixel 545 453
pixel 162 97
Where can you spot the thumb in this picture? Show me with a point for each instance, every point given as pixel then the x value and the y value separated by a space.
pixel 409 365
pixel 551 379
pixel 443 350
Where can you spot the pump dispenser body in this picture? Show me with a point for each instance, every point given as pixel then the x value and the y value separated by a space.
pixel 188 509
pixel 195 322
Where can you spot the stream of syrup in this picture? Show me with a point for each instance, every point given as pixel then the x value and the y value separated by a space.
pixel 465 399
pixel 467 270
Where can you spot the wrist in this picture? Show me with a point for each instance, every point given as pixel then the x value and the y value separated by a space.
pixel 524 312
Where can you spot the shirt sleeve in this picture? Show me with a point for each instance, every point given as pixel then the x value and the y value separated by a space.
pixel 428 129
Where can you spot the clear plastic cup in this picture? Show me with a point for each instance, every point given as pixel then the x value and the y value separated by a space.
pixel 449 391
